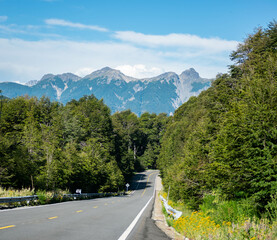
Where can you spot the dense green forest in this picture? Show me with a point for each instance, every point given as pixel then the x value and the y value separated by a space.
pixel 45 145
pixel 223 143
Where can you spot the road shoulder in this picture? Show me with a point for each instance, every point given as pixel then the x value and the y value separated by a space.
pixel 158 216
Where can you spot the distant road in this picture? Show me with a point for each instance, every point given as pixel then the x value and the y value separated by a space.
pixel 102 218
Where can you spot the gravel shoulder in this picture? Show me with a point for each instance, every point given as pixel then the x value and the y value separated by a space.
pixel 158 216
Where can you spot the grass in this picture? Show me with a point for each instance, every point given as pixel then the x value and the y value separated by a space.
pixel 15 193
pixel 222 220
pixel 44 197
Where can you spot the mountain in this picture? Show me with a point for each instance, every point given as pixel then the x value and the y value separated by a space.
pixel 108 74
pixel 31 83
pixel 163 93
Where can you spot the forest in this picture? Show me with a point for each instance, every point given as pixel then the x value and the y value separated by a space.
pixel 222 145
pixel 47 146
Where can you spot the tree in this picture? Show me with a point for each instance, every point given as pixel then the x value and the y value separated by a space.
pixel 225 139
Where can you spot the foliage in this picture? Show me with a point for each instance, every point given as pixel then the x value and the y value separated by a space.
pixel 137 140
pixel 211 222
pixel 15 192
pixel 47 146
pixel 225 140
pixel 200 226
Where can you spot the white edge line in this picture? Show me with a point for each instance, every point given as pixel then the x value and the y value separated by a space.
pixel 133 223
pixel 45 205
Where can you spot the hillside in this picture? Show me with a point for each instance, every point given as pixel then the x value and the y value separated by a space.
pixel 163 93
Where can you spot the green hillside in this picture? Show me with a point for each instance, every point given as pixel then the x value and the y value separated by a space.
pixel 223 143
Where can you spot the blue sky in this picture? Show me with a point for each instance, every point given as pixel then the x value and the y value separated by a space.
pixel 140 38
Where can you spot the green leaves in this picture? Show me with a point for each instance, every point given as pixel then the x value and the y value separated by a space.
pixel 45 145
pixel 225 139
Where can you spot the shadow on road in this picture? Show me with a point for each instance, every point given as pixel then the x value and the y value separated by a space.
pixel 139 182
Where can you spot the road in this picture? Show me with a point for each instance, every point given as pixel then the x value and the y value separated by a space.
pixel 102 218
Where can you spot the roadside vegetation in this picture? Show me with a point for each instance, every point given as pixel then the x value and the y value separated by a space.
pixel 44 197
pixel 218 219
pixel 48 147
pixel 219 153
pixel 9 192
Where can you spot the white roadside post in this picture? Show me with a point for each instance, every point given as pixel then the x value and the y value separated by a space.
pixel 127 186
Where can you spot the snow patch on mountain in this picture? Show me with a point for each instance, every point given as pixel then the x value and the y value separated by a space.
pixel 184 86
pixel 183 92
pixel 175 102
pixel 131 99
pixel 59 91
pixel 119 97
pixel 31 83
pixel 118 83
pixel 137 88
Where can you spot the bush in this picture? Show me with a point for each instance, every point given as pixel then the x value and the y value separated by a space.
pixel 228 210
pixel 44 197
pixel 271 208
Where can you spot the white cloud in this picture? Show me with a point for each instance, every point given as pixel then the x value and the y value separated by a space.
pixel 3 18
pixel 29 30
pixel 24 60
pixel 63 23
pixel 139 70
pixel 176 40
pixel 135 54
pixel 11 29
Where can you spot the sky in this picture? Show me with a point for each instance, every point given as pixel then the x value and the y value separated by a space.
pixel 141 38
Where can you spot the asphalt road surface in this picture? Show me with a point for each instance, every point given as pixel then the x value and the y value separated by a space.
pixel 119 218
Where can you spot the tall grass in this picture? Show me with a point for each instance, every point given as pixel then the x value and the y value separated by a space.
pixel 219 219
pixel 228 210
pixel 44 197
pixel 9 192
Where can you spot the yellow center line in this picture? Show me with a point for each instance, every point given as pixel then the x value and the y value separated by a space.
pixel 106 204
pixel 7 227
pixel 53 217
pixel 95 207
pixel 79 211
pixel 146 184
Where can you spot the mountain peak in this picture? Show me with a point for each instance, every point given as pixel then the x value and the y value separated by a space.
pixel 163 93
pixel 64 77
pixel 106 69
pixel 31 83
pixel 109 74
pixel 167 76
pixel 69 76
pixel 47 76
pixel 189 74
